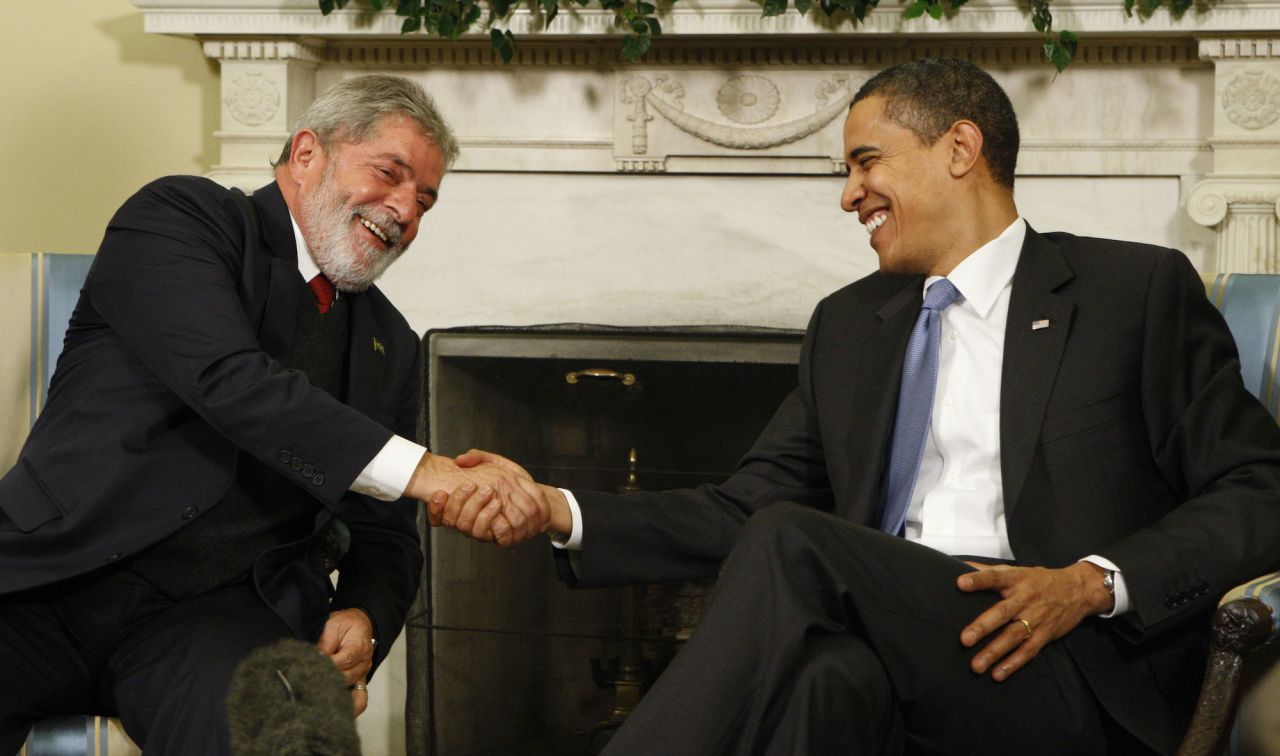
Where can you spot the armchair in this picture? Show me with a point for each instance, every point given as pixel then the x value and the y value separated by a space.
pixel 1236 712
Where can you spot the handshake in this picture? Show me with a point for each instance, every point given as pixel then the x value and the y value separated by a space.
pixel 488 497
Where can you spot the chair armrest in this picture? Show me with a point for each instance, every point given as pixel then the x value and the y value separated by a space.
pixel 1247 617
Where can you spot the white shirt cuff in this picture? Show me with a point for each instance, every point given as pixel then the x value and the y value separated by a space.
pixel 574 541
pixel 1122 591
pixel 387 475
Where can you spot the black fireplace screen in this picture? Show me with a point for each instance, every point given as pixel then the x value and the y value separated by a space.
pixel 503 659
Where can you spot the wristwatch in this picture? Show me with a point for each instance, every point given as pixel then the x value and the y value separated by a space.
pixel 1109 582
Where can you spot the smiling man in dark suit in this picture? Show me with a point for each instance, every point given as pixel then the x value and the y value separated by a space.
pixel 229 420
pixel 995 514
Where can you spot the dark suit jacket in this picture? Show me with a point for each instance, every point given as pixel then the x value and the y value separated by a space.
pixel 1125 431
pixel 173 363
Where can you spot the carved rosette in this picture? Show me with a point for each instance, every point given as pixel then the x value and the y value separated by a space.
pixel 748 99
pixel 252 98
pixel 1252 99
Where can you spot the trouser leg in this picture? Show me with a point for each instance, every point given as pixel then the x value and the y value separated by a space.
pixel 171 672
pixel 795 573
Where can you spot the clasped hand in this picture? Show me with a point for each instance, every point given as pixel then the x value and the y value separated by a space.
pixel 484 496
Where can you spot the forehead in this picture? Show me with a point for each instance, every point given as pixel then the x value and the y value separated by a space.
pixel 401 139
pixel 867 125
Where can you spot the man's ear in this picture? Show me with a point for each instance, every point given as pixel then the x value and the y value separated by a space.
pixel 964 140
pixel 306 154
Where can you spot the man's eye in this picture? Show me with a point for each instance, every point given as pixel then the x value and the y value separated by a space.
pixel 385 172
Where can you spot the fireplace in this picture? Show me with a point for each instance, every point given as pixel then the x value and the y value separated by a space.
pixel 501 654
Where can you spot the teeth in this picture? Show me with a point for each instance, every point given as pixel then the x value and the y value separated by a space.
pixel 374 228
pixel 876 222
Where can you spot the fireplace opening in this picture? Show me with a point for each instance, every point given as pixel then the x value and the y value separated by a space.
pixel 503 658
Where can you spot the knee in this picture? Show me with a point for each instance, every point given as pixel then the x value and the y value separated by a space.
pixel 784 522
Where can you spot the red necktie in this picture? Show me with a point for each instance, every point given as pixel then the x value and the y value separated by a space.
pixel 322 287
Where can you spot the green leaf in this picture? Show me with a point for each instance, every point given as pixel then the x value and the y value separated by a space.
pixel 473 15
pixel 635 46
pixel 411 25
pixel 1179 7
pixel 1128 7
pixel 775 7
pixel 583 3
pixel 646 9
pixel 550 8
pixel 1059 54
pixel 326 7
pixel 377 5
pixel 1041 17
pixel 409 8
pixel 655 28
pixel 1069 41
pixel 802 6
pixel 935 11
pixel 501 7
pixel 916 9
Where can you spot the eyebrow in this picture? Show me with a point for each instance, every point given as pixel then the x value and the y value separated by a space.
pixel 858 152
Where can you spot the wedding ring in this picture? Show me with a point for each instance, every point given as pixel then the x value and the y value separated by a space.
pixel 1026 625
pixel 359 686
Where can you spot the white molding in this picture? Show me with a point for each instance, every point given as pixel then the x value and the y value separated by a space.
pixel 713 17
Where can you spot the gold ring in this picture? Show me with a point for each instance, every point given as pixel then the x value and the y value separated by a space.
pixel 359 686
pixel 1026 625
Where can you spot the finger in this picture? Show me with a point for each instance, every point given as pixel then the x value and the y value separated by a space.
pixel 359 700
pixel 1001 644
pixel 456 501
pixel 469 459
pixel 435 508
pixel 482 528
pixel 994 618
pixel 1024 653
pixel 993 578
pixel 471 508
pixel 542 508
pixel 976 565
pixel 501 530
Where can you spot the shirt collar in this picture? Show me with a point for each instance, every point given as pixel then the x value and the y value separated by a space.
pixel 982 275
pixel 306 266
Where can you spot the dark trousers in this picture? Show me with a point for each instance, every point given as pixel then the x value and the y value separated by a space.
pixel 824 637
pixel 110 643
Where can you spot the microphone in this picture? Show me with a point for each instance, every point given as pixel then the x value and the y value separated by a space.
pixel 287 699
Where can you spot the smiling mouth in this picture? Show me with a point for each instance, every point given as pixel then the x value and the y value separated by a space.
pixel 373 228
pixel 876 220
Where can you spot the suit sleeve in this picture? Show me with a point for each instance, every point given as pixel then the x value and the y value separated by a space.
pixel 381 570
pixel 1216 446
pixel 166 281
pixel 686 534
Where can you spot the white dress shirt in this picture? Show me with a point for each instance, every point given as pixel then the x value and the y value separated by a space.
pixel 387 475
pixel 957 506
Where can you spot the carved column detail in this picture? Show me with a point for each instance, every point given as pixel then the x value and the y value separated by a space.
pixel 1238 198
pixel 266 85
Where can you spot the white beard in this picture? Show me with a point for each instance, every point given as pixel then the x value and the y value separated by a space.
pixel 351 263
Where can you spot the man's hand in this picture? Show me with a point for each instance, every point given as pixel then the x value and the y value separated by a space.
pixel 523 513
pixel 1038 605
pixel 555 508
pixel 347 640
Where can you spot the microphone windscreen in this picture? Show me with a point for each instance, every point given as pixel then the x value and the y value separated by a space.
pixel 287 699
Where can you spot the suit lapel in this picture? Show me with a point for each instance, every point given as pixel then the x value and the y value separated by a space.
pixel 1035 336
pixel 279 264
pixel 877 373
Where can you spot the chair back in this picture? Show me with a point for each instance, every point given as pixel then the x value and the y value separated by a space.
pixel 1251 304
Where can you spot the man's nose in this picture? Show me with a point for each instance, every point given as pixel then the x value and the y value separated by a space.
pixel 852 194
pixel 403 204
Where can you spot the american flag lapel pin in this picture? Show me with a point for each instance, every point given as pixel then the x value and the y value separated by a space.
pixel 377 347
pixel 1036 325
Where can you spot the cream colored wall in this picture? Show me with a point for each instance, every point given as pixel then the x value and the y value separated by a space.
pixel 80 128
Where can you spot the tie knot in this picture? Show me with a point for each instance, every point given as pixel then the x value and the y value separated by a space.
pixel 323 289
pixel 940 295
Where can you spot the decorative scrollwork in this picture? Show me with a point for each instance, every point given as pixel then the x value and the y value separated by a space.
pixel 748 99
pixel 1252 99
pixel 252 98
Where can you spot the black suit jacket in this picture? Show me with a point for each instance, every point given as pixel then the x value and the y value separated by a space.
pixel 1125 431
pixel 173 364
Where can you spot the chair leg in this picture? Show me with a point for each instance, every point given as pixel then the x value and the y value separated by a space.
pixel 1239 626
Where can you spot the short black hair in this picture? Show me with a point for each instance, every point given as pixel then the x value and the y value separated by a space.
pixel 927 96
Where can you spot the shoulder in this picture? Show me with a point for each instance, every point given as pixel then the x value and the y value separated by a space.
pixel 1089 254
pixel 184 207
pixel 388 315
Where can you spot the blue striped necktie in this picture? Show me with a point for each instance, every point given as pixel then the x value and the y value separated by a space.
pixel 915 405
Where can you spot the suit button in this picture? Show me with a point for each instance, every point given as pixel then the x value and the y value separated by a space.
pixel 308 470
pixel 285 456
pixel 190 512
pixel 1170 603
pixel 296 463
pixel 317 479
pixel 114 557
pixel 1202 589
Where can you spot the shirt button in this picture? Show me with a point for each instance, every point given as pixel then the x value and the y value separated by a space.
pixel 954 336
pixel 947 402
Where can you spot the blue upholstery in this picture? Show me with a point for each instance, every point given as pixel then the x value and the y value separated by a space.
pixel 1251 305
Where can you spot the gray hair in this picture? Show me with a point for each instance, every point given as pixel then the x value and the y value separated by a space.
pixel 352 110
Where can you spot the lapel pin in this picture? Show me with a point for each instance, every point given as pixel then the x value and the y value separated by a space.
pixel 377 347
pixel 1038 324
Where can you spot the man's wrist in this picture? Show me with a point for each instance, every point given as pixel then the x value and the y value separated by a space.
pixel 1099 587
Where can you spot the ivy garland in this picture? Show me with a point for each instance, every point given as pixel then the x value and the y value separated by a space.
pixel 639 18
